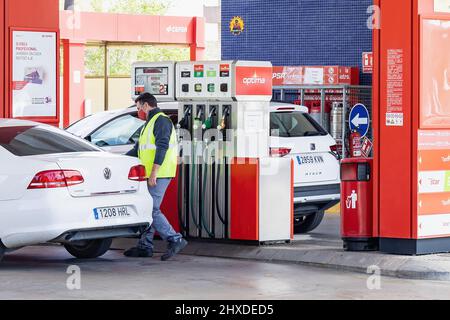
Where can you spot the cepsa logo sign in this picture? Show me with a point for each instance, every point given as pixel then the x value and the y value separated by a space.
pixel 253 81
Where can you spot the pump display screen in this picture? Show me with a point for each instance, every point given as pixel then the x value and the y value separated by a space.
pixel 152 80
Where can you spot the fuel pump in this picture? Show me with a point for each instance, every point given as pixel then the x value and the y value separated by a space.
pixel 224 196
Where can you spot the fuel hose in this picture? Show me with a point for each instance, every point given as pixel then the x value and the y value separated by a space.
pixel 219 212
pixel 194 219
pixel 202 202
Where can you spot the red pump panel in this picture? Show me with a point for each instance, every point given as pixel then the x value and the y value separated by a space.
pixel 244 216
pixel 169 206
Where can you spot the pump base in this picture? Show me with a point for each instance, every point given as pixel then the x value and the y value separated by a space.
pixel 239 242
pixel 361 244
pixel 415 246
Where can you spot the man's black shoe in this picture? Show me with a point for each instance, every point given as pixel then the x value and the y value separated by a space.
pixel 138 253
pixel 174 248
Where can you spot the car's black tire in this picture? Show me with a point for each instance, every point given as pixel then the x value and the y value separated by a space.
pixel 309 223
pixel 90 249
pixel 2 253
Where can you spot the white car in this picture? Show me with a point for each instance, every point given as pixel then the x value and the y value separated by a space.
pixel 57 188
pixel 294 134
pixel 317 181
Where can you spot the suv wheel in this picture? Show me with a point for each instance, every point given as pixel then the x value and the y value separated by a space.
pixel 309 223
pixel 89 249
pixel 2 252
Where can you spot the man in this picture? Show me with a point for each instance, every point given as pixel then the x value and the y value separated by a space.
pixel 157 150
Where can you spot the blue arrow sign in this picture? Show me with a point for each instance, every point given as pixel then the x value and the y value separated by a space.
pixel 359 119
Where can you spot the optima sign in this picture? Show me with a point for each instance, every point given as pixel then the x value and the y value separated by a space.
pixel 254 81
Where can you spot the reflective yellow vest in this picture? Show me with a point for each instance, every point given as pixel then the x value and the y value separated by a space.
pixel 147 150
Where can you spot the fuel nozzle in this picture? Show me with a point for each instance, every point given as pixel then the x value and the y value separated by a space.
pixel 208 122
pixel 184 123
pixel 198 120
pixel 223 122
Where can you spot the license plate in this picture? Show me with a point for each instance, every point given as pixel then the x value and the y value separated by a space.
pixel 111 213
pixel 301 160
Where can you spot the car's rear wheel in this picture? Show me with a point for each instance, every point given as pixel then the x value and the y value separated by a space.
pixel 89 249
pixel 2 252
pixel 309 223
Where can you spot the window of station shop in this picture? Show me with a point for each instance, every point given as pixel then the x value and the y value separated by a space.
pixel 108 71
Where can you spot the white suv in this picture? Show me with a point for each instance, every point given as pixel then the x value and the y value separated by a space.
pixel 316 162
pixel 294 134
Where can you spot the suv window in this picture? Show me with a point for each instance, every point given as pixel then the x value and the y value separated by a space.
pixel 121 131
pixel 39 140
pixel 294 124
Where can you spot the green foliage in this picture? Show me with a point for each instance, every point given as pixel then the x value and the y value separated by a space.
pixel 121 58
pixel 94 60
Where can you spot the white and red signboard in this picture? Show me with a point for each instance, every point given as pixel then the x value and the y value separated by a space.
pixel 34 74
pixel 314 75
pixel 433 199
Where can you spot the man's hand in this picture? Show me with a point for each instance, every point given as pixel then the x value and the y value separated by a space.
pixel 153 176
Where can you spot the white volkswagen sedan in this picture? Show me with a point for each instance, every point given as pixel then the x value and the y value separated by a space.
pixel 55 187
pixel 293 134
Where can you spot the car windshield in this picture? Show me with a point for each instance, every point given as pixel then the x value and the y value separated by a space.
pixel 40 140
pixel 121 131
pixel 85 126
pixel 294 124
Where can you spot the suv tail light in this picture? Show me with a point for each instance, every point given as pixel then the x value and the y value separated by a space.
pixel 137 173
pixel 279 152
pixel 56 179
pixel 334 148
pixel 335 151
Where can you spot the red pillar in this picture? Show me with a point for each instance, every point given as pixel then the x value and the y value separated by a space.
pixel 73 88
pixel 198 45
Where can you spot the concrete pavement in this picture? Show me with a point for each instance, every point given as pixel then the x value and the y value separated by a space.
pixel 41 273
pixel 322 248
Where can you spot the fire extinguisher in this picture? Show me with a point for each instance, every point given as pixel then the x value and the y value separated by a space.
pixel 355 144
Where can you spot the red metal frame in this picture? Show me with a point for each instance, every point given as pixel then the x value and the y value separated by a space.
pixel 9 111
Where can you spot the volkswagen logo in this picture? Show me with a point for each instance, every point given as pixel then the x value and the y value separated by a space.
pixel 313 146
pixel 107 173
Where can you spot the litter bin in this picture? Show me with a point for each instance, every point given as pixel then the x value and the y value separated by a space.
pixel 357 205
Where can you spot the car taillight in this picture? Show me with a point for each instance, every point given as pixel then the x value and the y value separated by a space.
pixel 56 179
pixel 279 152
pixel 137 173
pixel 334 148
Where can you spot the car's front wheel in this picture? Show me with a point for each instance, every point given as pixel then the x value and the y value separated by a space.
pixel 89 249
pixel 2 252
pixel 308 223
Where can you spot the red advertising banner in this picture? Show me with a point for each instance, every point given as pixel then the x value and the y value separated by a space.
pixel 253 81
pixel 311 75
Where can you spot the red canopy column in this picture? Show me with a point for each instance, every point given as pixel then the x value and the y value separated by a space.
pixel 198 45
pixel 73 91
